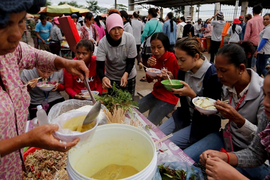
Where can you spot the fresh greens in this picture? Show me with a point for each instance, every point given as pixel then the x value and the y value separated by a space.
pixel 172 174
pixel 119 98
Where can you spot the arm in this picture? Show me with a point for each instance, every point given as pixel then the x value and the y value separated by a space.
pixel 96 32
pixel 59 35
pixel 145 32
pixel 248 31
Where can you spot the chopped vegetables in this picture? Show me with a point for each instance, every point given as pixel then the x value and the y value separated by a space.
pixel 44 164
pixel 172 174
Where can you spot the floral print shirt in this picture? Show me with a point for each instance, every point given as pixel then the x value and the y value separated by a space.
pixel 14 100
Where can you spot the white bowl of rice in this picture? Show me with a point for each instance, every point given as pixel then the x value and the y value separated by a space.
pixel 205 105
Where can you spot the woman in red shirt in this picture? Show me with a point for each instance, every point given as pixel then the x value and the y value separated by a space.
pixel 73 84
pixel 160 100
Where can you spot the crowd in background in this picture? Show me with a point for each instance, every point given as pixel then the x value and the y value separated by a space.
pixel 175 47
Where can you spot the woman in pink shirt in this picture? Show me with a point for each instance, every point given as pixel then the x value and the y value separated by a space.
pixel 100 29
pixel 14 98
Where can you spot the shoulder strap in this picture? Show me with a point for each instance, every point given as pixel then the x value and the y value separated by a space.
pixel 152 32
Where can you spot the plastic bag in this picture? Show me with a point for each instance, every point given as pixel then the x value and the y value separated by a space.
pixel 73 104
pixel 173 162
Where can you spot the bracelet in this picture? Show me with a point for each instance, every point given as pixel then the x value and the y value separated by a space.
pixel 228 157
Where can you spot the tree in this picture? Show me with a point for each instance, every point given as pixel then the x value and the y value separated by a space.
pixel 48 3
pixel 178 10
pixel 72 3
pixel 92 5
pixel 121 7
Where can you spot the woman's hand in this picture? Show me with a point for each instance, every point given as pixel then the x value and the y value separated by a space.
pixel 77 68
pixel 185 91
pixel 33 83
pixel 210 154
pixel 106 83
pixel 42 137
pixel 124 80
pixel 217 169
pixel 56 86
pixel 151 61
pixel 79 96
pixel 229 112
pixel 165 73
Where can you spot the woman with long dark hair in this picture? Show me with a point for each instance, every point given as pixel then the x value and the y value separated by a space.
pixel 234 31
pixel 99 27
pixel 169 28
pixel 127 22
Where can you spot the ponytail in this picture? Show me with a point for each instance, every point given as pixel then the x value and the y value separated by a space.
pixel 170 16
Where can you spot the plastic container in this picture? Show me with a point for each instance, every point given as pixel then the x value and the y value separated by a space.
pixel 41 116
pixel 202 110
pixel 176 84
pixel 153 72
pixel 114 144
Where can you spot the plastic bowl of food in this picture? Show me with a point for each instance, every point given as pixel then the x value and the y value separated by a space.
pixel 176 84
pixel 87 96
pixel 153 72
pixel 46 85
pixel 205 105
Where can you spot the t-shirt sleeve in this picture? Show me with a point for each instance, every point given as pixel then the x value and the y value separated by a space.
pixel 101 52
pixel 132 51
pixel 213 23
pixel 266 34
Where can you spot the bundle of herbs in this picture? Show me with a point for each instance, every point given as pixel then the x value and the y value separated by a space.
pixel 118 99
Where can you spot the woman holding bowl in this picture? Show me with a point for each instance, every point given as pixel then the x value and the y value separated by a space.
pixel 200 79
pixel 160 100
pixel 14 98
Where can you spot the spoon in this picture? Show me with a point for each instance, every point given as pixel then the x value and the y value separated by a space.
pixel 141 64
pixel 93 113
pixel 89 90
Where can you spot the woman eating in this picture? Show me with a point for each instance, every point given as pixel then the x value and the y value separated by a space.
pixel 200 79
pixel 242 88
pixel 14 98
pixel 117 52
pixel 218 164
pixel 160 100
pixel 73 84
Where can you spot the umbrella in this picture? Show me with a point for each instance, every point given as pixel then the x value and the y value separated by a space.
pixel 62 9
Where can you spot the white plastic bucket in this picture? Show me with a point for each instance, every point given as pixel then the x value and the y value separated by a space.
pixel 114 144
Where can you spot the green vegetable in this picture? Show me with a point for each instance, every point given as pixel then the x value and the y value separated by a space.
pixel 120 98
pixel 172 174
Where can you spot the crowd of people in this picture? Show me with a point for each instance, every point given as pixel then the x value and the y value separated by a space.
pixel 174 47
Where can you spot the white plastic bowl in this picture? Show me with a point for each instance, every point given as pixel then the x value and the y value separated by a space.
pixel 153 72
pixel 202 110
pixel 46 86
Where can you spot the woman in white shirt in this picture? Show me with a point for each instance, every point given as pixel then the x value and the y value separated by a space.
pixel 234 31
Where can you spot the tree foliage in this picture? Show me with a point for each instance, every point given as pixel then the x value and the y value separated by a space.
pixel 72 3
pixel 121 7
pixel 178 10
pixel 92 5
pixel 48 3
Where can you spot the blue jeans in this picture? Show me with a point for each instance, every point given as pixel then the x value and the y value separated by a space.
pixel 212 141
pixel 181 137
pixel 257 173
pixel 261 63
pixel 253 62
pixel 158 109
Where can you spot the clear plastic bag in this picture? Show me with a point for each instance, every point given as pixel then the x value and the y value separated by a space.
pixel 73 104
pixel 173 162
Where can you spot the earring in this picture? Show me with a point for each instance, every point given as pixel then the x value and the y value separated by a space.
pixel 240 73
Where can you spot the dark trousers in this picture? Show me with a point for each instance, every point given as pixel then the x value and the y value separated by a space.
pixel 138 46
pixel 261 64
pixel 55 48
pixel 130 87
pixel 33 108
pixel 214 49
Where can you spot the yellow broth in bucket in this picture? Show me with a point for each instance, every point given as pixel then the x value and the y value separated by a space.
pixel 114 171
pixel 76 124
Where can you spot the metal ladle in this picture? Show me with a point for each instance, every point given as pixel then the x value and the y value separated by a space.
pixel 94 112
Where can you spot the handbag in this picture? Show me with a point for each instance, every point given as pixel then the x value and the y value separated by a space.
pixel 147 50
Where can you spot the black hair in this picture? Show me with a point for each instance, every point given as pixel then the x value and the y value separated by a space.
pixel 153 12
pixel 125 15
pixel 190 45
pixel 163 38
pixel 170 16
pixel 257 9
pixel 234 53
pixel 97 20
pixel 88 44
pixel 233 27
pixel 88 16
pixel 136 14
pixel 42 17
pixel 267 14
pixel 249 49
pixel 183 18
